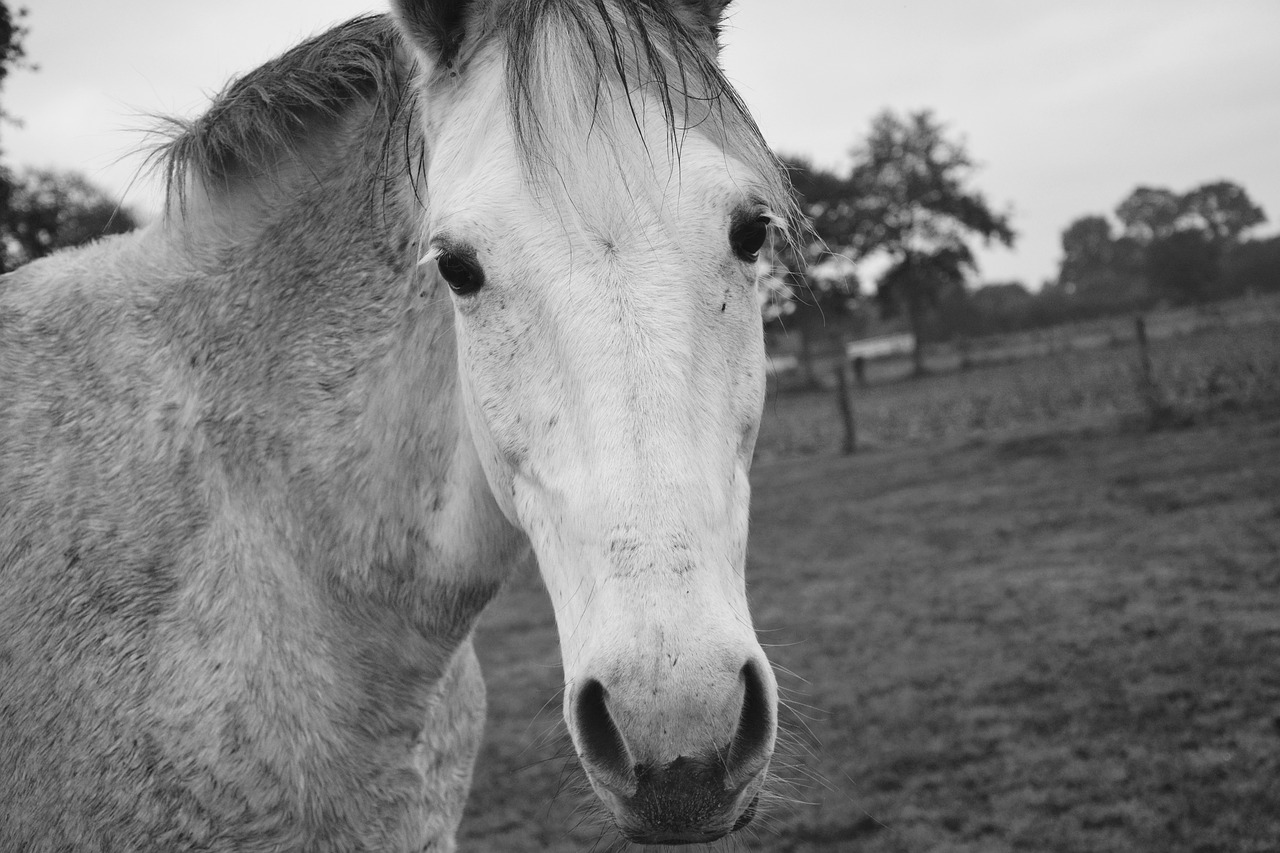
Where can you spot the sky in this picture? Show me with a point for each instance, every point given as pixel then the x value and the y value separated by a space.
pixel 1066 106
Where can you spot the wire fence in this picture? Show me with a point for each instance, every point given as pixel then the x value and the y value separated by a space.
pixel 1202 361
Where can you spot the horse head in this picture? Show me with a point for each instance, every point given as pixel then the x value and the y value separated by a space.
pixel 597 197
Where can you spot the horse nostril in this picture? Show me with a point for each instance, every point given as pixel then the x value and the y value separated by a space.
pixel 752 741
pixel 603 747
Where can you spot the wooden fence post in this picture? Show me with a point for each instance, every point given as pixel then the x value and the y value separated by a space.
pixel 1160 411
pixel 1144 352
pixel 844 399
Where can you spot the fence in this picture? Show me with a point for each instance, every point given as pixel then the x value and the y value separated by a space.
pixel 1224 357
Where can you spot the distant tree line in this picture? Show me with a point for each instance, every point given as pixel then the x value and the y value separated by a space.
pixel 1161 248
pixel 41 210
pixel 908 199
pixel 1169 246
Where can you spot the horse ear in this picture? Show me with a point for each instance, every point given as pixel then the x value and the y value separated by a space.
pixel 435 27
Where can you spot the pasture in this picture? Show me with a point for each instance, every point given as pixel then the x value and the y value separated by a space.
pixel 1019 620
pixel 1227 360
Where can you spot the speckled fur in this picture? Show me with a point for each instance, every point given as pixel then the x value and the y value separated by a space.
pixel 243 535
pixel 259 472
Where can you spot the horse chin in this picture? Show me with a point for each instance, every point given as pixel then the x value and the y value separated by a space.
pixel 685 802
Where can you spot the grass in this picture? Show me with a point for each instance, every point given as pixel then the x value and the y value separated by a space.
pixel 1058 631
pixel 1062 643
pixel 1207 371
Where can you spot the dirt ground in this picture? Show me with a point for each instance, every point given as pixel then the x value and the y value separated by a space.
pixel 1059 642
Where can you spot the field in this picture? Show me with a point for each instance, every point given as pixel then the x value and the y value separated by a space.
pixel 1047 627
pixel 1219 366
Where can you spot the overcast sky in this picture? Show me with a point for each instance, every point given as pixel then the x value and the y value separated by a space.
pixel 1068 106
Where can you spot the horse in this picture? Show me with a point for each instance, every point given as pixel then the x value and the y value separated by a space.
pixel 435 295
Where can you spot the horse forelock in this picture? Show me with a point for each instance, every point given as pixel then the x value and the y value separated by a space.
pixel 566 53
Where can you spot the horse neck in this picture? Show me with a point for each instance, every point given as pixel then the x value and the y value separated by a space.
pixel 325 367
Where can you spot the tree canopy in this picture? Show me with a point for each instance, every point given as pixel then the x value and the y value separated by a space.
pixel 41 211
pixel 908 197
pixel 50 210
pixel 12 32
pixel 1220 210
pixel 12 55
pixel 913 181
pixel 1170 245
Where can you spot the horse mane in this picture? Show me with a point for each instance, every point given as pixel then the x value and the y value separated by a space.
pixel 556 52
pixel 269 112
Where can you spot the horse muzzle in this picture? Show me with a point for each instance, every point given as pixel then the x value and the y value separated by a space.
pixel 686 802
pixel 702 793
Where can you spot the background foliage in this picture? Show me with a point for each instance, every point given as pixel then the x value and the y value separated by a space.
pixel 42 211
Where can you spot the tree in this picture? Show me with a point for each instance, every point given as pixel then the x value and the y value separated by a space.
pixel 914 203
pixel 12 32
pixel 822 284
pixel 1002 298
pixel 52 210
pixel 1172 246
pixel 828 200
pixel 1221 210
pixel 1099 268
pixel 919 283
pixel 1149 213
pixel 1185 265
pixel 42 210
pixel 12 55
pixel 906 196
pixel 1252 266
pixel 1088 253
pixel 990 309
pixel 1184 238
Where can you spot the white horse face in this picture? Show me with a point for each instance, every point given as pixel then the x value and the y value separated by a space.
pixel 612 367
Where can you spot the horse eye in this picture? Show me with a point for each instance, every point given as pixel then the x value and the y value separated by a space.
pixel 747 237
pixel 461 271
